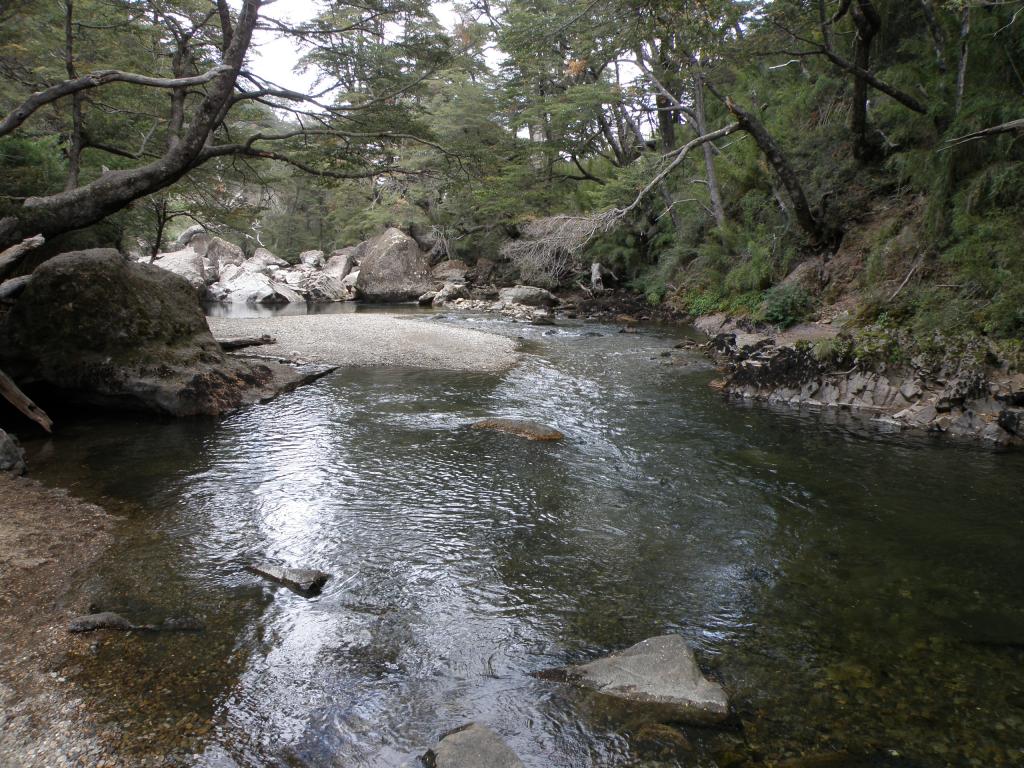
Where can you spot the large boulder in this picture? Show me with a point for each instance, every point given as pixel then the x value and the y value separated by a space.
pixel 196 237
pixel 393 269
pixel 222 253
pixel 320 287
pixel 255 288
pixel 314 259
pixel 472 746
pixel 662 671
pixel 451 271
pixel 106 331
pixel 12 457
pixel 341 263
pixel 528 295
pixel 185 263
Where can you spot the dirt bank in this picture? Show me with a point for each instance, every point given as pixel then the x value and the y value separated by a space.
pixel 48 544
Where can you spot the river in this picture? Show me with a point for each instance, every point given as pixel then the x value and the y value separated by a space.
pixel 856 592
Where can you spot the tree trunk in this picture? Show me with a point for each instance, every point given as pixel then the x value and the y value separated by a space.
pixel 867 23
pixel 805 217
pixel 75 140
pixel 717 207
pixel 961 71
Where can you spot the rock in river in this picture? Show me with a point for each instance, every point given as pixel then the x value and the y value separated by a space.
pixel 103 330
pixel 305 581
pixel 472 746
pixel 659 670
pixel 531 430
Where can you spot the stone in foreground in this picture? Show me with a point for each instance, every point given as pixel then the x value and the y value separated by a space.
pixel 12 457
pixel 531 430
pixel 307 582
pixel 472 746
pixel 660 670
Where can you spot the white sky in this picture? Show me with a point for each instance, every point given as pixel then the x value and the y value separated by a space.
pixel 275 57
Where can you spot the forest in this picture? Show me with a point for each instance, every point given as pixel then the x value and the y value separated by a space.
pixel 511 383
pixel 699 150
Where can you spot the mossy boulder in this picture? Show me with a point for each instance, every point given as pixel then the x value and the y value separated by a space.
pixel 108 331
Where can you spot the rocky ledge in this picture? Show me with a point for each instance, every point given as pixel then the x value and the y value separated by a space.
pixel 967 394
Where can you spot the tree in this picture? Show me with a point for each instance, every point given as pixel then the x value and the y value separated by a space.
pixel 212 106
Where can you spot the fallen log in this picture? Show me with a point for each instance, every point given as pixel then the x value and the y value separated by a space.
pixel 11 289
pixel 242 342
pixel 20 400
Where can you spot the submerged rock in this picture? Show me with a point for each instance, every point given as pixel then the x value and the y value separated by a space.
pixel 393 269
pixel 109 620
pixel 12 456
pixel 659 670
pixel 472 746
pixel 94 621
pixel 305 581
pixel 116 333
pixel 531 430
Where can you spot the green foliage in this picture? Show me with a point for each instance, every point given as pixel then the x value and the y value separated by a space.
pixel 786 305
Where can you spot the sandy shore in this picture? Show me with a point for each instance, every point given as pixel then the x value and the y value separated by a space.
pixel 48 543
pixel 373 340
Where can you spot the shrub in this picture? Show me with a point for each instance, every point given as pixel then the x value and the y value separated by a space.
pixel 786 305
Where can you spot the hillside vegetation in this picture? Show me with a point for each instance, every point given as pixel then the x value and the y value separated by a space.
pixel 866 165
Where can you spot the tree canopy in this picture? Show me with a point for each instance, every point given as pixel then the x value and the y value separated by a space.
pixel 700 147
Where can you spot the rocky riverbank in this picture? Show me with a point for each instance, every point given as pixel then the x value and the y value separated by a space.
pixel 49 542
pixel 967 394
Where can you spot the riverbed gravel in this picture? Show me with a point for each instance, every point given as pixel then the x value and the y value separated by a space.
pixel 373 340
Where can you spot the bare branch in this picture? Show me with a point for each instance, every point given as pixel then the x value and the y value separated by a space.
pixel 95 80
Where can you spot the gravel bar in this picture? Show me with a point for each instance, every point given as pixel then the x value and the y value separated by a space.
pixel 373 341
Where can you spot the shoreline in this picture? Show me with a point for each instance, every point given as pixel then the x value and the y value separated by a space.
pixel 49 541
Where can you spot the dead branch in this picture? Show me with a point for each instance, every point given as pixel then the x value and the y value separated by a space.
pixel 20 400
pixel 11 256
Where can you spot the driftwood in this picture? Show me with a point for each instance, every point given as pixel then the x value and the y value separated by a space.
pixel 10 257
pixel 242 342
pixel 11 289
pixel 20 400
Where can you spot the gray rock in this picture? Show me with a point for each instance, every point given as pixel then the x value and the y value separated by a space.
pixel 910 391
pixel 451 271
pixel 450 292
pixel 349 284
pixel 393 269
pixel 660 670
pixel 322 288
pixel 314 259
pixel 305 581
pixel 528 295
pixel 256 288
pixel 187 264
pixel 341 263
pixel 426 299
pixel 150 349
pixel 472 746
pixel 190 237
pixel 12 456
pixel 531 430
pixel 222 253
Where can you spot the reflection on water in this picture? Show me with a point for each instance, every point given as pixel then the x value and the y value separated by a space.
pixel 855 593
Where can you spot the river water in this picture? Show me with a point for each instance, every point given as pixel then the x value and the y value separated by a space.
pixel 857 593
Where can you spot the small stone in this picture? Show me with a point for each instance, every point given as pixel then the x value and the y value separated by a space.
pixel 531 430
pixel 307 582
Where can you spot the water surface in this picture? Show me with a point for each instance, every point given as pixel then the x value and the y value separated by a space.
pixel 855 592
